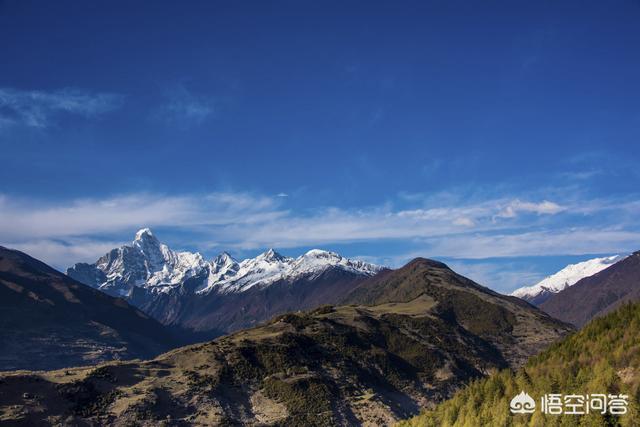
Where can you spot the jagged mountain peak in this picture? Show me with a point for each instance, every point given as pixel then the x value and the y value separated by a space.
pixel 156 255
pixel 272 255
pixel 144 234
pixel 144 263
pixel 223 267
pixel 224 258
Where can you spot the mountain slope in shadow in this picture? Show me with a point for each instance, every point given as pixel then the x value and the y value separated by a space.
pixel 49 321
pixel 599 294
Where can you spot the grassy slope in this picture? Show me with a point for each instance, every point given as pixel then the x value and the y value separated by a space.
pixel 514 326
pixel 604 357
pixel 333 366
pixel 424 332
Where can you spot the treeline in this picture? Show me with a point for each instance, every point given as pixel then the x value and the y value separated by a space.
pixel 603 357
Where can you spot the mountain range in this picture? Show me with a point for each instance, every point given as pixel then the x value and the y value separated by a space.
pixel 398 341
pixel 568 276
pixel 221 295
pixel 49 321
pixel 325 340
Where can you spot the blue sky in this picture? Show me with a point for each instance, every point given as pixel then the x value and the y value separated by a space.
pixel 501 137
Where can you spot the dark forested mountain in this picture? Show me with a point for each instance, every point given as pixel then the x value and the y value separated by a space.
pixel 48 320
pixel 408 338
pixel 602 358
pixel 598 294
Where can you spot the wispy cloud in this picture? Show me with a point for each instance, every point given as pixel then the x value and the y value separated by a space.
pixel 63 253
pixel 183 108
pixel 581 175
pixel 84 229
pixel 77 218
pixel 244 221
pixel 40 109
pixel 515 207
pixel 463 221
pixel 557 241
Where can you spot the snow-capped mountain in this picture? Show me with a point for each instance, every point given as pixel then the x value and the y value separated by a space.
pixel 262 270
pixel 144 263
pixel 270 267
pixel 150 265
pixel 564 278
pixel 220 295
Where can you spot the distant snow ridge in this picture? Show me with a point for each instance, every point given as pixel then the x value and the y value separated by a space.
pixel 270 267
pixel 564 278
pixel 148 264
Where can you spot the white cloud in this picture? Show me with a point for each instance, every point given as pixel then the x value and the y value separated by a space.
pixel 21 219
pixel 464 222
pixel 535 243
pixel 39 109
pixel 63 254
pixel 242 221
pixel 543 208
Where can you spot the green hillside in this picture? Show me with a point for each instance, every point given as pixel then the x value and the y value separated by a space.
pixel 604 357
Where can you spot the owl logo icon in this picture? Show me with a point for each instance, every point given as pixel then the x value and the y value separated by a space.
pixel 522 404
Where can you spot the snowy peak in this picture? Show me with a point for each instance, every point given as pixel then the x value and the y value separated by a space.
pixel 272 256
pixel 318 258
pixel 266 268
pixel 145 263
pixel 270 267
pixel 146 242
pixel 320 254
pixel 316 261
pixel 224 260
pixel 155 254
pixel 148 264
pixel 223 267
pixel 144 234
pixel 564 278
